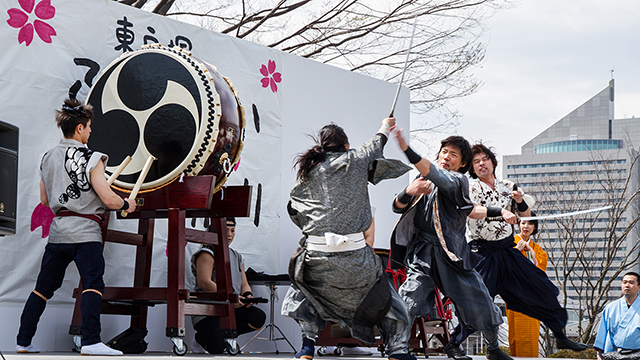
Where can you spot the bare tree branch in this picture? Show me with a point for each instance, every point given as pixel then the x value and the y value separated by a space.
pixel 163 6
pixel 589 254
pixel 363 36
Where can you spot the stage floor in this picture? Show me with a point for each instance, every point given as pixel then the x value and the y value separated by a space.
pixel 163 356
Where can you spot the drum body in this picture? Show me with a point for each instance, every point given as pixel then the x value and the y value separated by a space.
pixel 163 102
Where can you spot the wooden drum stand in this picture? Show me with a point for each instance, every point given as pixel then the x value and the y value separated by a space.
pixel 193 198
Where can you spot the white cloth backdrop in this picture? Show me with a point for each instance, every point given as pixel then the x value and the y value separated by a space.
pixel 35 79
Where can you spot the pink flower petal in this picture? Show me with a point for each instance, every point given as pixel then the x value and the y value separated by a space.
pixel 277 77
pixel 17 18
pixel 272 66
pixel 264 71
pixel 25 35
pixel 44 30
pixel 27 5
pixel 44 10
pixel 274 87
pixel 42 216
pixel 265 82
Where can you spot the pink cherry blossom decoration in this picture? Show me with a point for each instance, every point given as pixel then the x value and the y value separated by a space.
pixel 19 19
pixel 271 77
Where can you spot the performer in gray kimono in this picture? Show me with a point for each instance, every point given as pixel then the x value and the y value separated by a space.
pixel 335 275
pixel 504 270
pixel 430 239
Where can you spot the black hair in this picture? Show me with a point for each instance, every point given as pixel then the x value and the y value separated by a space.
pixel 632 273
pixel 231 219
pixel 72 114
pixel 331 138
pixel 461 144
pixel 481 149
pixel 533 222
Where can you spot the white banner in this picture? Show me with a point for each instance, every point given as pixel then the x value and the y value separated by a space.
pixel 49 45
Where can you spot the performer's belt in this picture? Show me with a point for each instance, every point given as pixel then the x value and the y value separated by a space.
pixel 67 212
pixel 331 242
pixel 493 245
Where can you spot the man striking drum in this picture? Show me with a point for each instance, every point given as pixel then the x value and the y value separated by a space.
pixel 435 207
pixel 505 271
pixel 74 186
pixel 336 276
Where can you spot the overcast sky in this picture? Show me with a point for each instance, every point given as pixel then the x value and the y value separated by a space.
pixel 544 59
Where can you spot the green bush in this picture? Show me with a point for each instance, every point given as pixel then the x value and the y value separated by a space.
pixel 570 354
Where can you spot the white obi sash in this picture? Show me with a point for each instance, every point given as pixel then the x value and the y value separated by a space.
pixel 331 242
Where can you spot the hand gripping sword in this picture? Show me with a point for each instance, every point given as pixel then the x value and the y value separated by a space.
pixel 406 61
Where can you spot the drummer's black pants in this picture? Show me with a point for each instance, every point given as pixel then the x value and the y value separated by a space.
pixel 210 336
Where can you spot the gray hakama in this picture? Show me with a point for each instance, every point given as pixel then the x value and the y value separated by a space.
pixel 443 260
pixel 349 287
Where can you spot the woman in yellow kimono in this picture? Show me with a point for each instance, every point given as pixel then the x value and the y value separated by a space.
pixel 523 330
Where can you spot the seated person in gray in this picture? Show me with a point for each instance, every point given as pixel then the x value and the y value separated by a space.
pixel 248 318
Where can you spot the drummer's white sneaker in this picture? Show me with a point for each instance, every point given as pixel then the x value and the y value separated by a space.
pixel 99 349
pixel 26 349
pixel 355 351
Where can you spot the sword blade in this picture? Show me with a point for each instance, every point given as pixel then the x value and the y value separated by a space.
pixel 406 60
pixel 574 213
pixel 552 216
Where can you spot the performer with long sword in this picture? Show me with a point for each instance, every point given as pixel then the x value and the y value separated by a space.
pixel 335 274
pixel 504 270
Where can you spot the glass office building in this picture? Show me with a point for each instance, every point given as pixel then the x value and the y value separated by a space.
pixel 583 161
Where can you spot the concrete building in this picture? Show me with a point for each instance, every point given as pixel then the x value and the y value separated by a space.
pixel 585 160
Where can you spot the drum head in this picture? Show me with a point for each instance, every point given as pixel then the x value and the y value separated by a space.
pixel 163 102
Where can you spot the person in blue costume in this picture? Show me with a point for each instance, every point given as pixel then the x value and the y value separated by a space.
pixel 619 330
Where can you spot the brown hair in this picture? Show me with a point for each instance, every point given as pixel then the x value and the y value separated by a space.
pixel 481 149
pixel 72 114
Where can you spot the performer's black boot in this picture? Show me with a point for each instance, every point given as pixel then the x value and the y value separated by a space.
pixel 453 351
pixel 493 349
pixel 497 354
pixel 566 343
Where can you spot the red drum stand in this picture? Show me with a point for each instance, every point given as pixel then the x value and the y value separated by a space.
pixel 193 198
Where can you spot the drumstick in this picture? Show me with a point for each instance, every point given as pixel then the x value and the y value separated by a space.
pixel 143 174
pixel 120 168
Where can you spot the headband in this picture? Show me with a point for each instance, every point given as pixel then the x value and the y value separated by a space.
pixel 76 110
